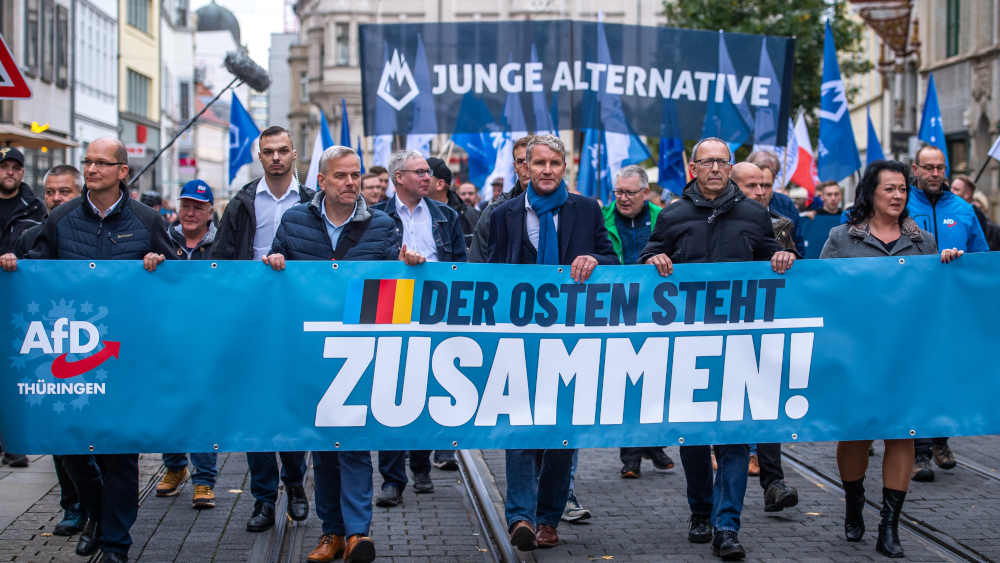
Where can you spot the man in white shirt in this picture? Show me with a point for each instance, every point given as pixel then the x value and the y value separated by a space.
pixel 432 230
pixel 246 232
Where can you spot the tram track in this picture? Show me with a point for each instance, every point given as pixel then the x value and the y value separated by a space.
pixel 286 541
pixel 932 537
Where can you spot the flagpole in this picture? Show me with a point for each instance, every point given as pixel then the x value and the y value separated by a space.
pixel 982 168
pixel 190 122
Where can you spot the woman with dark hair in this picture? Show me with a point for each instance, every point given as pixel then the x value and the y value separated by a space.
pixel 878 225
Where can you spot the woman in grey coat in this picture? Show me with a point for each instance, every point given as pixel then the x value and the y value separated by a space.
pixel 878 225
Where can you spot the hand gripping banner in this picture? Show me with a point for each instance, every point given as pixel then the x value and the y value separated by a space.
pixel 198 356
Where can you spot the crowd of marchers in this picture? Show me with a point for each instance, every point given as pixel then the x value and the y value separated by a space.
pixel 727 212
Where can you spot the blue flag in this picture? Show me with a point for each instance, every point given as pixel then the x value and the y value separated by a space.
pixel 594 179
pixel 723 118
pixel 874 151
pixel 837 155
pixel 480 147
pixel 345 127
pixel 242 133
pixel 671 162
pixel 361 156
pixel 324 140
pixel 931 129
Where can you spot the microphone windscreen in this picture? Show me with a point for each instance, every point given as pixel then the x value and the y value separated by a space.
pixel 243 67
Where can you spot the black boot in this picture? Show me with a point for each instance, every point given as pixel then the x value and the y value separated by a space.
pixel 888 528
pixel 854 521
pixel 86 544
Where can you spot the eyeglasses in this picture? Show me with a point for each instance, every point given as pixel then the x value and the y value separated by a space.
pixel 419 172
pixel 932 168
pixel 520 161
pixel 627 193
pixel 709 163
pixel 85 163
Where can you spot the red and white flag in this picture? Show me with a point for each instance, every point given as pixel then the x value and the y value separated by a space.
pixel 804 172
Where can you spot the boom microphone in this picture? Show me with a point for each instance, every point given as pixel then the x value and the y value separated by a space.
pixel 241 66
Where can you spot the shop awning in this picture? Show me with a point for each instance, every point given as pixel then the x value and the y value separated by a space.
pixel 22 137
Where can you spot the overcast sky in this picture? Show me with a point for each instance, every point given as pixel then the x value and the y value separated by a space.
pixel 258 20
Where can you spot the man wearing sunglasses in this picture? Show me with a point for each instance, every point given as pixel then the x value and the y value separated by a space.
pixel 954 224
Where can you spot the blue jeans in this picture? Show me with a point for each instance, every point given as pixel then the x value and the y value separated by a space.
pixel 723 499
pixel 538 484
pixel 108 486
pixel 264 473
pixel 572 473
pixel 344 492
pixel 204 466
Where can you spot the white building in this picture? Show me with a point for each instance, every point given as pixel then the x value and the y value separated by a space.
pixel 278 101
pixel 95 80
pixel 177 95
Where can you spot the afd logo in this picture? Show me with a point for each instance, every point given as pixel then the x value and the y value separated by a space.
pixel 397 78
pixel 69 337
pixel 835 100
pixel 949 222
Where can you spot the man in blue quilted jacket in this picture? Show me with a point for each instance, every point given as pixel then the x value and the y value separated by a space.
pixel 338 225
pixel 104 223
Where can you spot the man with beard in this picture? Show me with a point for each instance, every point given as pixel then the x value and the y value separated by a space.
pixel 953 223
pixel 481 237
pixel 19 208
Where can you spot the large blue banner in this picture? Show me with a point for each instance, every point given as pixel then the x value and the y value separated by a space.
pixel 201 356
pixel 561 73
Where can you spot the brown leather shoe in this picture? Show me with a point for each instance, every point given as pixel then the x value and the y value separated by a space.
pixel 329 549
pixel 546 536
pixel 360 549
pixel 522 536
pixel 753 466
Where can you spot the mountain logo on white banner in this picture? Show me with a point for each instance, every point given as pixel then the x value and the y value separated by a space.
pixel 395 76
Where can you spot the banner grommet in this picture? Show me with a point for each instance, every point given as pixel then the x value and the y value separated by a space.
pixel 680 440
pixel 565 443
pixel 795 436
pixel 454 443
pixel 215 447
pixel 93 265
pixel 336 444
pixel 214 265
pixel 913 432
pixel 902 260
pixel 90 447
pixel 336 266
pixel 454 267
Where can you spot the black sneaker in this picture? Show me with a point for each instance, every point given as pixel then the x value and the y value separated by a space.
pixel 631 471
pixel 922 470
pixel 422 483
pixel 726 545
pixel 391 495
pixel 700 530
pixel 779 496
pixel 660 459
pixel 15 460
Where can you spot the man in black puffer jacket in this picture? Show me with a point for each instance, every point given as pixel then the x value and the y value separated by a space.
pixel 714 222
pixel 104 223
pixel 19 208
pixel 338 224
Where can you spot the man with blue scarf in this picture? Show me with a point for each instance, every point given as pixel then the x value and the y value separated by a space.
pixel 545 225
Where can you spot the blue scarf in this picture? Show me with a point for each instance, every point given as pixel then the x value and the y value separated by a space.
pixel 546 207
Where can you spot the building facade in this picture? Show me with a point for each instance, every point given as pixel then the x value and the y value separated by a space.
pixel 40 35
pixel 139 86
pixel 278 95
pixel 176 95
pixel 95 76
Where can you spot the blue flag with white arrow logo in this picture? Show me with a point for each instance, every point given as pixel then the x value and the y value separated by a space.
pixel 242 133
pixel 837 155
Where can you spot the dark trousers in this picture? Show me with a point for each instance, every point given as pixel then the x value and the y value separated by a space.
pixel 264 473
pixel 769 459
pixel 108 487
pixel 392 464
pixel 68 497
pixel 922 446
pixel 720 496
pixel 633 456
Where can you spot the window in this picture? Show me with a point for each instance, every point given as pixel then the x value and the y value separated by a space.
pixel 958 153
pixel 952 28
pixel 138 14
pixel 304 87
pixel 31 37
pixel 343 38
pixel 182 13
pixel 138 87
pixel 185 101
pixel 62 46
pixel 47 40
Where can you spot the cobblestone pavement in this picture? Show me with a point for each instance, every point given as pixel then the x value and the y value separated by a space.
pixel 633 520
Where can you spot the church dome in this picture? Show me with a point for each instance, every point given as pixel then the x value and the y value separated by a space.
pixel 214 17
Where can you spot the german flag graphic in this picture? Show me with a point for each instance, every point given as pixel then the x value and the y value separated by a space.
pixel 379 302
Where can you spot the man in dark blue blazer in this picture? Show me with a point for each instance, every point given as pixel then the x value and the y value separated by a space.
pixel 545 225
